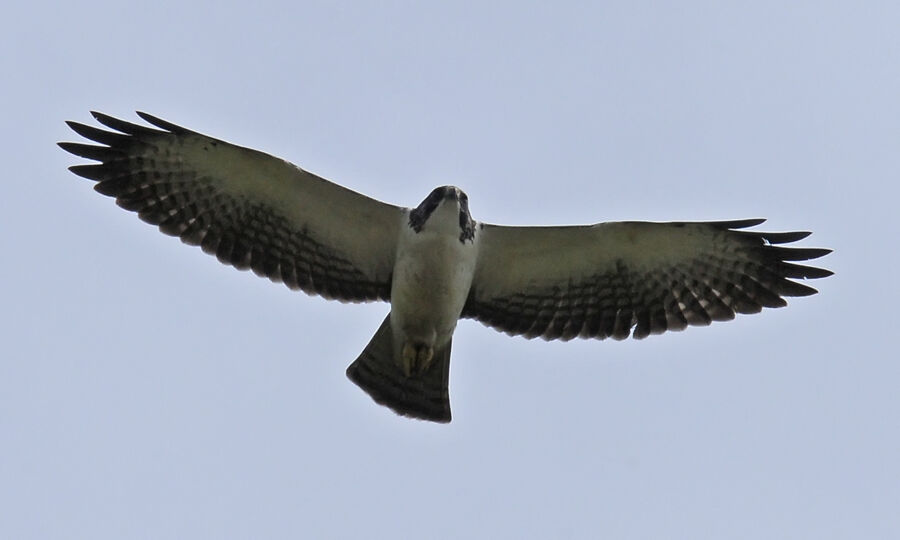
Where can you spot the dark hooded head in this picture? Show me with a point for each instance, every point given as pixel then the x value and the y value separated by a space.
pixel 439 196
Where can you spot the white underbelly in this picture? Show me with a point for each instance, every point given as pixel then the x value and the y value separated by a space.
pixel 431 281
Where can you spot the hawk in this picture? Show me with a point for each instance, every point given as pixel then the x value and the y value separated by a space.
pixel 434 263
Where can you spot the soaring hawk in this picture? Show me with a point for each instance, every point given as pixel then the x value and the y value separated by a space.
pixel 434 263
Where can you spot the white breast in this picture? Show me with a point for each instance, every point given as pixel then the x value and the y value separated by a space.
pixel 432 276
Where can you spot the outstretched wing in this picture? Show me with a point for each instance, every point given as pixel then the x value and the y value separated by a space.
pixel 603 280
pixel 250 209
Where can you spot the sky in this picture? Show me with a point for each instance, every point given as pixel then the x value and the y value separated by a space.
pixel 147 391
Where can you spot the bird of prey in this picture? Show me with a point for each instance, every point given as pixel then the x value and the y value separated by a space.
pixel 434 263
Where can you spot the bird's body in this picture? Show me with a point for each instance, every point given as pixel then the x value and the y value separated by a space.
pixel 432 276
pixel 406 366
pixel 434 263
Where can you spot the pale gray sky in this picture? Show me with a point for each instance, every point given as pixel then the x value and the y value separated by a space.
pixel 146 391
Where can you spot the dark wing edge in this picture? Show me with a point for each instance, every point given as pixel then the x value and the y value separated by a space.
pixel 156 173
pixel 622 299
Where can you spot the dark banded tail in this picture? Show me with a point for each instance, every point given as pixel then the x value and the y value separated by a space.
pixel 425 396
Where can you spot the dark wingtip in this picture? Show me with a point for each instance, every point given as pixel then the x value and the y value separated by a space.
pixel 77 127
pixel 108 138
pixel 806 272
pixel 785 237
pixel 162 124
pixel 85 171
pixel 745 223
pixel 815 253
pixel 123 126
pixel 792 288
pixel 795 253
pixel 89 151
pixel 735 223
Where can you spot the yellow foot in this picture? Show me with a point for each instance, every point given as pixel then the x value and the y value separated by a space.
pixel 416 358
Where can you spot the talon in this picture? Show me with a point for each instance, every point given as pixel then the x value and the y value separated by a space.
pixel 417 358
pixel 424 357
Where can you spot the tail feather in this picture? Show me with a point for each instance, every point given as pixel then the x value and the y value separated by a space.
pixel 425 395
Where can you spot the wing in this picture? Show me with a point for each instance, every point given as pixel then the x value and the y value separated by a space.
pixel 251 210
pixel 603 280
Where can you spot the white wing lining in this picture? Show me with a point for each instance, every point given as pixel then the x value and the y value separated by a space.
pixel 250 209
pixel 608 279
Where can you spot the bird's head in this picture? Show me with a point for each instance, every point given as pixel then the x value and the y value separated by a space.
pixel 444 207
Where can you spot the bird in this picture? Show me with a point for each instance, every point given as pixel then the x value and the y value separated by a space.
pixel 433 262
